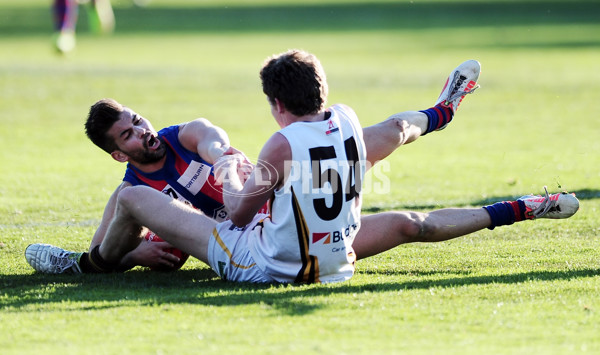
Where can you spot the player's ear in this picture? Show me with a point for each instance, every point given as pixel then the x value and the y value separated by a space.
pixel 279 106
pixel 119 156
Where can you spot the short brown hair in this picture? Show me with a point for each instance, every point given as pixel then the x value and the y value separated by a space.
pixel 297 79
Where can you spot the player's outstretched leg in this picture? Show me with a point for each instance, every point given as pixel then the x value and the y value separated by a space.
pixel 383 231
pixel 554 206
pixel 461 82
pixel 52 260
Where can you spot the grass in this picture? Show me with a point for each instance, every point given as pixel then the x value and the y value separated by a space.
pixel 528 288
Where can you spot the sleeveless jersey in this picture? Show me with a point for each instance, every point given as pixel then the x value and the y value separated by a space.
pixel 185 176
pixel 316 214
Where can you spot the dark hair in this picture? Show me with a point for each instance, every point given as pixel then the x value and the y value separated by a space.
pixel 297 79
pixel 103 114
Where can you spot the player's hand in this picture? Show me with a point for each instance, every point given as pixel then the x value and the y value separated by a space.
pixel 244 170
pixel 230 167
pixel 234 151
pixel 153 255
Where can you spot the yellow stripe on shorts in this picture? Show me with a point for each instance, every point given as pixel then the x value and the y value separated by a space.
pixel 226 250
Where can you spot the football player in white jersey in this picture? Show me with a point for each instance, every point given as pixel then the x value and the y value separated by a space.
pixel 312 170
pixel 315 196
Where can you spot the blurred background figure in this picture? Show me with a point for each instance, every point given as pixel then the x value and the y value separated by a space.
pixel 100 17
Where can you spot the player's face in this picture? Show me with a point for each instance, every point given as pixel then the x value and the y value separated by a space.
pixel 135 136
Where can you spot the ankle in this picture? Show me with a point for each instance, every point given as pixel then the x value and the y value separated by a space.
pixel 93 262
pixel 506 213
pixel 439 116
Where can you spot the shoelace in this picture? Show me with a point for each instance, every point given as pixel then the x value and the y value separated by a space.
pixel 454 94
pixel 61 262
pixel 545 206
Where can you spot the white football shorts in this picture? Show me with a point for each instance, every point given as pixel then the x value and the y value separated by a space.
pixel 229 254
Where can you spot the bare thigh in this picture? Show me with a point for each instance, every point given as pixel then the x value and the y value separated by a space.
pixel 179 224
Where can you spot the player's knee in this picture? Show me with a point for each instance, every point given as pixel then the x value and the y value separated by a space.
pixel 429 228
pixel 128 197
pixel 398 127
pixel 408 226
pixel 417 227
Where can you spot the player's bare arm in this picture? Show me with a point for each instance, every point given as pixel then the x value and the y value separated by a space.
pixel 244 200
pixel 201 136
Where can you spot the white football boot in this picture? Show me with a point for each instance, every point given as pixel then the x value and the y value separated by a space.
pixel 52 260
pixel 555 206
pixel 460 82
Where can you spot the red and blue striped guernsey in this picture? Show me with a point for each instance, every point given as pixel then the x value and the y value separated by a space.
pixel 185 176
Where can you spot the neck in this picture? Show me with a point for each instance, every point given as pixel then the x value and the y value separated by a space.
pixel 320 116
pixel 150 167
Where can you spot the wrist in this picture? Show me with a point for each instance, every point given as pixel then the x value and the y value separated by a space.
pixel 216 151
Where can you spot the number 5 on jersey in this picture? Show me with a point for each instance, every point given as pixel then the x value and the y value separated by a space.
pixel 332 176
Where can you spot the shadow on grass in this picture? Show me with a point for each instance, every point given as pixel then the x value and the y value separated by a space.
pixel 203 288
pixel 27 20
pixel 582 195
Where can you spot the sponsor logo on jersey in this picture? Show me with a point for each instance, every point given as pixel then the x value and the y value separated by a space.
pixel 335 236
pixel 220 214
pixel 319 236
pixel 331 128
pixel 170 191
pixel 194 177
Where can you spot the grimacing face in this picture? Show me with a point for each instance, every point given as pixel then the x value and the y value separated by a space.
pixel 136 138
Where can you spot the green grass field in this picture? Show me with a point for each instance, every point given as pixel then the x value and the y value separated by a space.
pixel 531 288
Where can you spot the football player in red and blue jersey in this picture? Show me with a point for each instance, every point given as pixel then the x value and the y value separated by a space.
pixel 177 161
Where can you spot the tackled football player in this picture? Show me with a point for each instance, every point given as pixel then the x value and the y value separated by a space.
pixel 338 153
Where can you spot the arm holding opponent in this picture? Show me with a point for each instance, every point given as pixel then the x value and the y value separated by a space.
pixel 204 138
pixel 244 199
